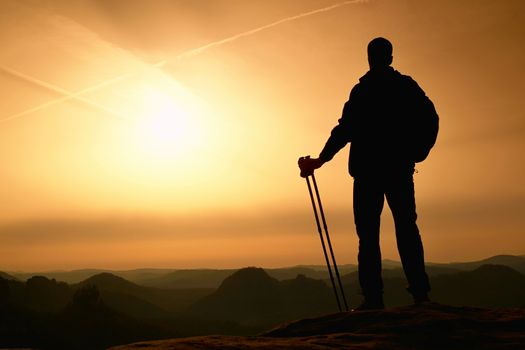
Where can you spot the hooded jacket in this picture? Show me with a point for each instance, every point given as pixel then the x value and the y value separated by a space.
pixel 382 121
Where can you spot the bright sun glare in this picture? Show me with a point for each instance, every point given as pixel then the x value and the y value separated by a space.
pixel 166 137
pixel 165 124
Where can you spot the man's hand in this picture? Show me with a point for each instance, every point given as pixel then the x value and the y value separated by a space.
pixel 308 165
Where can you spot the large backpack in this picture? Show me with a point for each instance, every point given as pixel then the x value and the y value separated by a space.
pixel 425 123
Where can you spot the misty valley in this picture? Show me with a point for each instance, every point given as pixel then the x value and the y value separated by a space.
pixel 94 309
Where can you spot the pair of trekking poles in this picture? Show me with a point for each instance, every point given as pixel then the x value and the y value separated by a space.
pixel 319 206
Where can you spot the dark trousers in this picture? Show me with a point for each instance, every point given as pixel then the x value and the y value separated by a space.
pixel 369 197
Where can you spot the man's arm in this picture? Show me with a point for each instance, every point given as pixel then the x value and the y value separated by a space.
pixel 339 137
pixel 341 133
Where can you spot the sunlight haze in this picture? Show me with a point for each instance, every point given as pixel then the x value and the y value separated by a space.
pixel 166 133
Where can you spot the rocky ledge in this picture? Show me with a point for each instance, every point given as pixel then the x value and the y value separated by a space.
pixel 431 326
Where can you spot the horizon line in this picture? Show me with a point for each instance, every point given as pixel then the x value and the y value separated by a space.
pixel 247 266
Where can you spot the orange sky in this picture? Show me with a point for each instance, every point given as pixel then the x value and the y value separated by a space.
pixel 123 146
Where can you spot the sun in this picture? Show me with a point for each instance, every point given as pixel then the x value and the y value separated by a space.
pixel 167 123
pixel 165 137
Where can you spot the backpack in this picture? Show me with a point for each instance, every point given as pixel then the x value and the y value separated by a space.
pixel 425 124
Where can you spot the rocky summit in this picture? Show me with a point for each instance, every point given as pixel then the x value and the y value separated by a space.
pixel 430 326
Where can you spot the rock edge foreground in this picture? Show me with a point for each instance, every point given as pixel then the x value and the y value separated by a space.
pixel 431 326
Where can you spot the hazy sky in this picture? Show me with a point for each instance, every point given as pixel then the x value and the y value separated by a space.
pixel 127 140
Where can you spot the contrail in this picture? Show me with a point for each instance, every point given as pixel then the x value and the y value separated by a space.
pixel 190 53
pixel 66 95
pixel 201 49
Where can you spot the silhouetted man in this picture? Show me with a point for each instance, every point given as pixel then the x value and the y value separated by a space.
pixel 391 125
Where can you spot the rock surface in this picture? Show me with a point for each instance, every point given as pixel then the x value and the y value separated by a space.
pixel 432 326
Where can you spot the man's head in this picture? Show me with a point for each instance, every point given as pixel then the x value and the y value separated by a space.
pixel 379 53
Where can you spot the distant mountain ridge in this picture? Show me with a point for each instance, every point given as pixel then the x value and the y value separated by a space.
pixel 513 261
pixel 212 278
pixel 110 281
pixel 125 296
pixel 486 286
pixel 7 276
pixel 252 297
pixel 76 276
pixel 248 301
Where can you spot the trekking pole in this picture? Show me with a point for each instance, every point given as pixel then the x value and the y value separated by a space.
pixel 322 242
pixel 329 242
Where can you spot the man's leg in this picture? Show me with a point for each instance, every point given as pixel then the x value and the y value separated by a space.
pixel 368 204
pixel 401 199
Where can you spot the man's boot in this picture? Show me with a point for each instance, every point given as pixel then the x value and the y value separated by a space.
pixel 421 298
pixel 371 302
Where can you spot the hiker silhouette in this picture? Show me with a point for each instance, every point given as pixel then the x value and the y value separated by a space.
pixel 391 125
